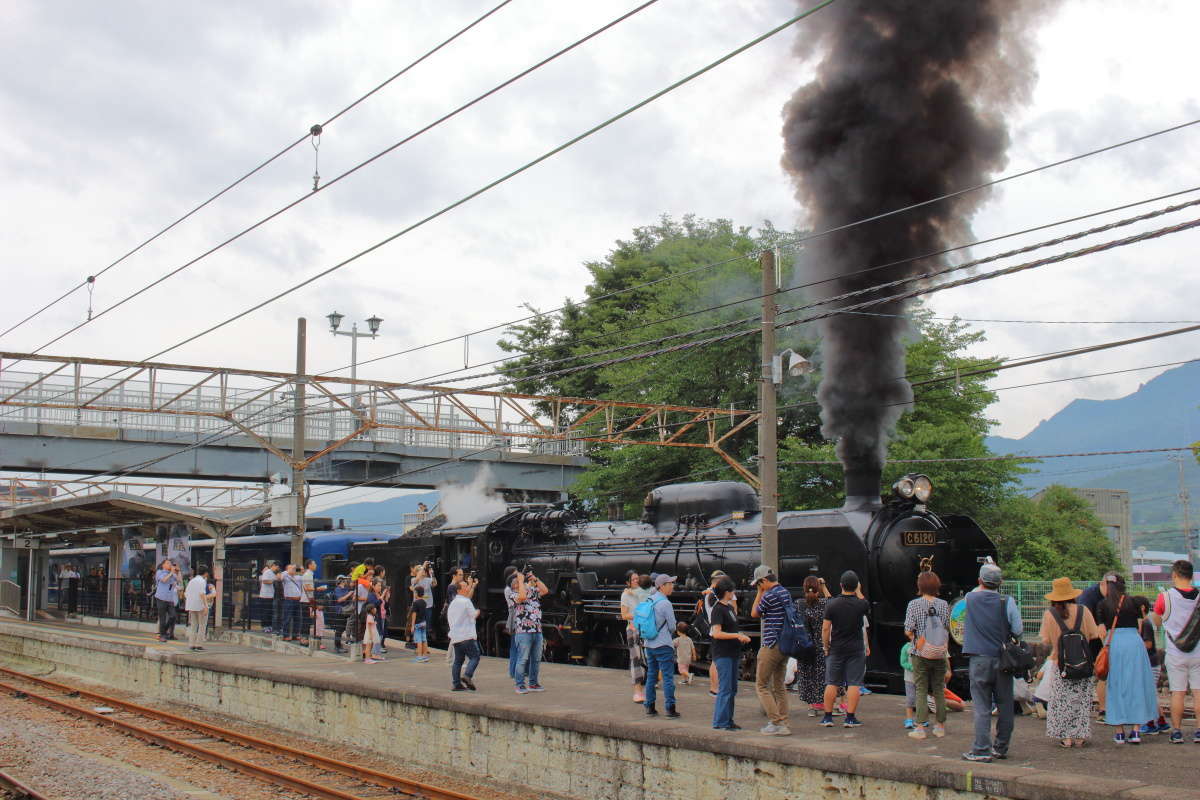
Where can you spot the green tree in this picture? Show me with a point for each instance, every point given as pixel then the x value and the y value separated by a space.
pixel 1054 536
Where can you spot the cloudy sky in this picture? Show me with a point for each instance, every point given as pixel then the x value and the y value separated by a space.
pixel 120 116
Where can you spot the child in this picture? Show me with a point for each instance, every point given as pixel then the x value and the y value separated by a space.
pixel 416 621
pixel 910 687
pixel 685 652
pixel 370 639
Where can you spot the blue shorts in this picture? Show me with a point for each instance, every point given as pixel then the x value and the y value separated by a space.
pixel 419 632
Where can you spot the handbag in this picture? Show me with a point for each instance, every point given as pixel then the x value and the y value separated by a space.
pixel 1101 666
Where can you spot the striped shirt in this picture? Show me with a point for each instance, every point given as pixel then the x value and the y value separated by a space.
pixel 771 610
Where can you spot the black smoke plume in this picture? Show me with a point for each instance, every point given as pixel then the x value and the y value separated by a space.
pixel 908 104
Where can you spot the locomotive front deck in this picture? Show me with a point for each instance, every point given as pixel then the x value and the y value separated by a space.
pixel 583 738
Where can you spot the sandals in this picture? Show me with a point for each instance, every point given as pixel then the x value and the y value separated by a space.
pixel 1065 744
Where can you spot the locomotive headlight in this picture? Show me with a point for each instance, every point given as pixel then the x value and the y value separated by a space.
pixel 904 488
pixel 922 488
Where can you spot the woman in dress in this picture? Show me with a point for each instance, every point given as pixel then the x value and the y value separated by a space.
pixel 630 598
pixel 1130 699
pixel 811 671
pixel 1069 705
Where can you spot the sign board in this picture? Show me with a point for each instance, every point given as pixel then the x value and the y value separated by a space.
pixel 920 538
pixel 26 544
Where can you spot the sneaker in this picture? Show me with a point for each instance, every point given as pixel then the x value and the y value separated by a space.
pixel 770 729
pixel 783 730
pixel 812 712
pixel 979 758
pixel 827 721
pixel 458 688
pixel 467 682
pixel 996 754
pixel 1196 737
pixel 422 659
pixel 651 711
pixel 864 690
pixel 1119 738
pixel 1150 729
pixel 1164 726
pixel 672 713
pixel 371 661
pixel 522 690
pixel 917 733
pixel 536 687
pixel 1176 737
pixel 1134 737
pixel 939 731
pixel 909 724
pixel 851 721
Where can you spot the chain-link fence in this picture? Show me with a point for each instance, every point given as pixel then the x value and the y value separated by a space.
pixel 1031 599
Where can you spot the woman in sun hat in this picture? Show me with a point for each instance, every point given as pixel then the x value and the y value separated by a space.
pixel 1068 715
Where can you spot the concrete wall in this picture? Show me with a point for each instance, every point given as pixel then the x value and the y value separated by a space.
pixel 550 754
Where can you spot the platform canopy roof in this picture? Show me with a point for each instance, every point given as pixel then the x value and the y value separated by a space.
pixel 81 516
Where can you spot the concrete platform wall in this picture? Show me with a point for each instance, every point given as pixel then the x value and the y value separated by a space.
pixel 547 753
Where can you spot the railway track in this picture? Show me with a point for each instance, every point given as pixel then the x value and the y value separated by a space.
pixel 271 762
pixel 17 789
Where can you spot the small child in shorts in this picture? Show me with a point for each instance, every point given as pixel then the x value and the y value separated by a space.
pixel 685 652
pixel 910 687
pixel 416 620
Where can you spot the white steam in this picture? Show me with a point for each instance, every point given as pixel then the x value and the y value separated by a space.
pixel 475 502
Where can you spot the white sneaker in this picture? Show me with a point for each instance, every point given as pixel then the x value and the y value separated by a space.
pixel 769 729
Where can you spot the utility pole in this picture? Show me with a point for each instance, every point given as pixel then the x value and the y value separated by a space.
pixel 1184 499
pixel 768 421
pixel 298 441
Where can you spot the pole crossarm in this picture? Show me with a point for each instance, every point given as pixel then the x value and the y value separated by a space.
pixel 205 400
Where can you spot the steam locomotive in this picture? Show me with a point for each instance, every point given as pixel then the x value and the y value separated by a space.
pixel 689 530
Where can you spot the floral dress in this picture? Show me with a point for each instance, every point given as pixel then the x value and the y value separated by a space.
pixel 811 672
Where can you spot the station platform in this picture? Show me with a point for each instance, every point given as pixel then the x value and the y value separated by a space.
pixel 584 737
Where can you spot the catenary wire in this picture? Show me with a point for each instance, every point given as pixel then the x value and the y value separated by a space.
pixel 271 159
pixel 235 237
pixel 810 236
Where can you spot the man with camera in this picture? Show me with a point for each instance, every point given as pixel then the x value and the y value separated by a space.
pixel 524 593
pixel 166 598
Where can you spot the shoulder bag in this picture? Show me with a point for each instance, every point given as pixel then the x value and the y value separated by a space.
pixel 1101 666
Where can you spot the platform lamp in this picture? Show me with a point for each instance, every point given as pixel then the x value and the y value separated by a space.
pixel 373 323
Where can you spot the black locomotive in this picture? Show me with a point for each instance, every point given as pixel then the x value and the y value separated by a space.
pixel 689 530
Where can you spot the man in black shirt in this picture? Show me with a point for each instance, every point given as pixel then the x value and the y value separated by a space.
pixel 843 635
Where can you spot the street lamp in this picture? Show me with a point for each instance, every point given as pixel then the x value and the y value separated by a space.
pixel 335 321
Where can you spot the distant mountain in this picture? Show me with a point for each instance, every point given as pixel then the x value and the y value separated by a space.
pixel 1163 412
pixel 378 513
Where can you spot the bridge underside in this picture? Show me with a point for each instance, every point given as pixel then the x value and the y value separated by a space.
pixel 85 450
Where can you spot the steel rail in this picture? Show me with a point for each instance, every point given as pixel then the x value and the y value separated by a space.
pixel 361 773
pixel 21 790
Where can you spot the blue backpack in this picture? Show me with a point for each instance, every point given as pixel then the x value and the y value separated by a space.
pixel 643 617
pixel 794 639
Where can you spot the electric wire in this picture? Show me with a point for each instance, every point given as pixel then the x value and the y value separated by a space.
pixel 286 149
pixel 449 115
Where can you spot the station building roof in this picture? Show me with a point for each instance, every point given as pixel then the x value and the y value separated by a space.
pixel 79 517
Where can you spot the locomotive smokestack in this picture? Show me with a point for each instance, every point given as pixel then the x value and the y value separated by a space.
pixel 906 106
pixel 862 489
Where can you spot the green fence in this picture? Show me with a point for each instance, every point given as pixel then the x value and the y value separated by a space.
pixel 1031 599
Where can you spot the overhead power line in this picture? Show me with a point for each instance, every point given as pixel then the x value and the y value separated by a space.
pixel 449 115
pixel 271 159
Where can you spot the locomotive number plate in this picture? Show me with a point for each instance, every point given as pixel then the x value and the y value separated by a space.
pixel 920 538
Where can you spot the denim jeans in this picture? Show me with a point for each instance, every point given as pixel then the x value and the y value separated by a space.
pixel 529 657
pixel 291 617
pixel 726 691
pixel 463 651
pixel 512 657
pixel 660 659
pixel 991 686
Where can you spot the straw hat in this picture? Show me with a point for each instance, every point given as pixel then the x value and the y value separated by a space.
pixel 1063 591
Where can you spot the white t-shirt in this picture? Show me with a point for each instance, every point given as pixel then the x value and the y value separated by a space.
pixel 193 596
pixel 461 616
pixel 308 585
pixel 267 584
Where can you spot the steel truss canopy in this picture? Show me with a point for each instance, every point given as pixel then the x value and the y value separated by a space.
pixel 222 400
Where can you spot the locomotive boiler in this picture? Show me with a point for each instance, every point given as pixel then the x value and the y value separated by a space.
pixel 689 530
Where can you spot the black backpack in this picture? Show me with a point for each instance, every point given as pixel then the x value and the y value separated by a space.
pixel 1074 654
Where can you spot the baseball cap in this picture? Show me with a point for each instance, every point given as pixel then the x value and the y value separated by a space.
pixel 662 580
pixel 990 575
pixel 763 571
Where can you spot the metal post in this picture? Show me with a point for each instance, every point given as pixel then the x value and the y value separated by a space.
pixel 768 421
pixel 1185 500
pixel 30 589
pixel 298 441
